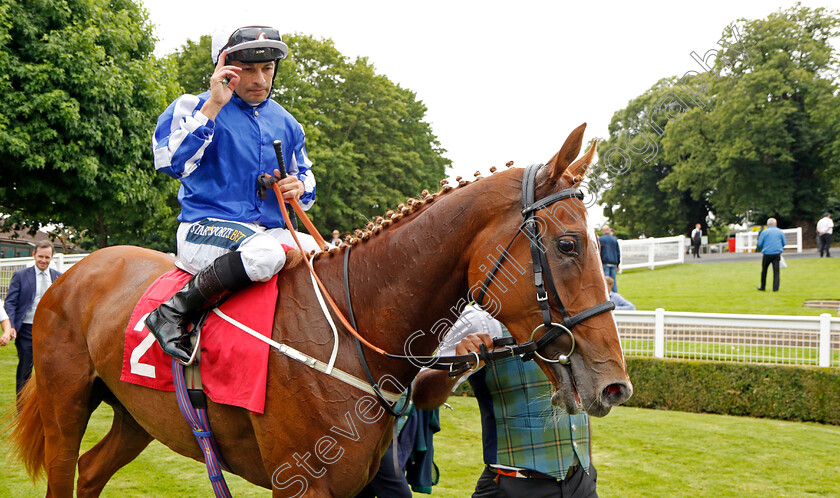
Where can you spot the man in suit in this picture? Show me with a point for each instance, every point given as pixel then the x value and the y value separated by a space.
pixel 25 292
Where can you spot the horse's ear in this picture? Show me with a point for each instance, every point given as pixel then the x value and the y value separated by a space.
pixel 577 169
pixel 558 164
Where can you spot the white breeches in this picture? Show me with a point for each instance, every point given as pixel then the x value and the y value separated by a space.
pixel 200 243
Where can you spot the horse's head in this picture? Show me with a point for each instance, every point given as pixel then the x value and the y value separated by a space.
pixel 591 373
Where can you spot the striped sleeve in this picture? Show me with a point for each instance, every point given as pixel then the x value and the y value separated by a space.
pixel 304 170
pixel 181 136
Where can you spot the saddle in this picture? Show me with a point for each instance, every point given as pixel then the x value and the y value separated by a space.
pixel 234 365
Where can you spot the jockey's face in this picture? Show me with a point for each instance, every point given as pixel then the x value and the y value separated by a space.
pixel 254 80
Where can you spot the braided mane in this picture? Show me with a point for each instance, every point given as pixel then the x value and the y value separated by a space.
pixel 409 207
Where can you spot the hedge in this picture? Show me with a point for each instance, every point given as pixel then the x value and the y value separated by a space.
pixel 769 391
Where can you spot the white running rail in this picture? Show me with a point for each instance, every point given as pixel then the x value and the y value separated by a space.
pixel 652 252
pixel 774 339
pixel 747 241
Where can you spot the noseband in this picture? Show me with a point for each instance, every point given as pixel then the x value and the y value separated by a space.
pixel 542 272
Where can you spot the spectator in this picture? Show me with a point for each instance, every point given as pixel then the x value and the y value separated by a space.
pixel 336 238
pixel 620 302
pixel 610 254
pixel 696 240
pixel 825 229
pixel 771 243
pixel 526 454
pixel 25 292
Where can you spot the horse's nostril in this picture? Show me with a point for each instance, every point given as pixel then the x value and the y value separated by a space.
pixel 616 393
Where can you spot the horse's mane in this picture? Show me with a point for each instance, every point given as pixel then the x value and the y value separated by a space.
pixel 402 211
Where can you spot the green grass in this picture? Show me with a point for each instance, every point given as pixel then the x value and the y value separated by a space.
pixel 638 453
pixel 730 287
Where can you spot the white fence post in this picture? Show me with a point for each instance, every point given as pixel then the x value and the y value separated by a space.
pixel 659 333
pixel 651 257
pixel 681 257
pixel 825 340
pixel 59 261
pixel 799 239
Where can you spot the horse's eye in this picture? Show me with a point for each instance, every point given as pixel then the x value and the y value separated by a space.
pixel 566 246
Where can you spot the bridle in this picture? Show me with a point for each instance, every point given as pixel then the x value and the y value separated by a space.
pixel 542 271
pixel 458 364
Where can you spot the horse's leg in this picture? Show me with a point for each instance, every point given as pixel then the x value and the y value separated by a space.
pixel 65 379
pixel 65 413
pixel 121 445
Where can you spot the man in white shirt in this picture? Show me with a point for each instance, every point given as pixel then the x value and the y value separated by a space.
pixel 696 240
pixel 825 228
pixel 25 292
pixel 6 324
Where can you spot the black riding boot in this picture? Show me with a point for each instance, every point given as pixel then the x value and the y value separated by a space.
pixel 171 320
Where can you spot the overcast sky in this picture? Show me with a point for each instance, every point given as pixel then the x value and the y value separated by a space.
pixel 502 81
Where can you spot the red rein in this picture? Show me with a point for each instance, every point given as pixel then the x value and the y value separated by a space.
pixel 322 243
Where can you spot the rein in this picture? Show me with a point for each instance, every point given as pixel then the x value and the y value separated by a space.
pixel 458 364
pixel 530 348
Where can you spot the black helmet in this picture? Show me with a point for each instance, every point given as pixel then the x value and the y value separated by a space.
pixel 250 44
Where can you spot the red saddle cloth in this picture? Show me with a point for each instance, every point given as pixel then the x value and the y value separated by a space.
pixel 234 365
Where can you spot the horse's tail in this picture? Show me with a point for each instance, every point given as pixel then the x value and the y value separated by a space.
pixel 27 437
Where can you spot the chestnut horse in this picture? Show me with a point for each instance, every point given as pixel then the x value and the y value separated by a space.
pixel 319 436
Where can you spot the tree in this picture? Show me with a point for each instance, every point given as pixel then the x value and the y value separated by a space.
pixel 757 133
pixel 366 136
pixel 765 144
pixel 82 94
pixel 633 165
pixel 193 65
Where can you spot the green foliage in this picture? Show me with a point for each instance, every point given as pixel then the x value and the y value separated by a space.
pixel 766 391
pixel 756 134
pixel 762 145
pixel 194 65
pixel 635 199
pixel 82 91
pixel 366 135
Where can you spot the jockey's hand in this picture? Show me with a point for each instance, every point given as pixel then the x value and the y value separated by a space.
pixel 291 187
pixel 222 84
pixel 470 344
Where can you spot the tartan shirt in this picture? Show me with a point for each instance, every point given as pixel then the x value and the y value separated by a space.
pixel 520 427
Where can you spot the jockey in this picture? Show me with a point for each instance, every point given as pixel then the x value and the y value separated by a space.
pixel 217 144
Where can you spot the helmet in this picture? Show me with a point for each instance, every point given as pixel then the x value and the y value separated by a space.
pixel 250 44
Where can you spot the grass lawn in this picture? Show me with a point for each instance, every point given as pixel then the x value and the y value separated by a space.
pixel 730 287
pixel 638 453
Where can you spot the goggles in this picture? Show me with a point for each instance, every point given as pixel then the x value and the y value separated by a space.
pixel 255 44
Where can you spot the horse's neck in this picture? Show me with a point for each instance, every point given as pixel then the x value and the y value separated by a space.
pixel 410 281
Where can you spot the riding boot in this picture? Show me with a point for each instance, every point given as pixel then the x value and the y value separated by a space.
pixel 170 322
